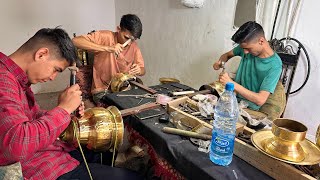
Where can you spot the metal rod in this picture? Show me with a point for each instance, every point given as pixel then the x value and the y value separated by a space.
pixel 151 116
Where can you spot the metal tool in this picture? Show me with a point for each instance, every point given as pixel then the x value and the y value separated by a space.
pixel 137 95
pixel 124 45
pixel 186 133
pixel 223 66
pixel 140 101
pixel 151 116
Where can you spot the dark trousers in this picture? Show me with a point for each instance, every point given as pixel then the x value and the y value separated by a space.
pixel 98 170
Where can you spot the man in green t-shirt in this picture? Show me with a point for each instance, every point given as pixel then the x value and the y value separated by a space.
pixel 259 69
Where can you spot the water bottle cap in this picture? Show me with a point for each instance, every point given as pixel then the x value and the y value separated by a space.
pixel 229 86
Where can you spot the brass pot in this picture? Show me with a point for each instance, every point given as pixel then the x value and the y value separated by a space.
pixel 120 82
pixel 288 134
pixel 100 129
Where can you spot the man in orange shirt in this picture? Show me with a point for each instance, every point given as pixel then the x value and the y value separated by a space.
pixel 110 56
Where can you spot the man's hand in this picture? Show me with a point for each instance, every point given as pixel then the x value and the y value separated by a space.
pixel 117 49
pixel 224 78
pixel 70 99
pixel 135 70
pixel 217 65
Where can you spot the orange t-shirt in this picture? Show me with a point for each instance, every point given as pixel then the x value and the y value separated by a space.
pixel 105 64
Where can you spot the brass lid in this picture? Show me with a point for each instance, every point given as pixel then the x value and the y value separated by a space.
pixel 165 80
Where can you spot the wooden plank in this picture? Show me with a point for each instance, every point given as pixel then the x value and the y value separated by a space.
pixel 150 90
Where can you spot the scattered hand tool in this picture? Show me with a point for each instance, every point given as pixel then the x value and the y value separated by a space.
pixel 164 119
pixel 137 95
pixel 186 133
pixel 180 93
pixel 151 116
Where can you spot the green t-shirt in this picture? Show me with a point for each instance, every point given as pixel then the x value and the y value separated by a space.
pixel 257 74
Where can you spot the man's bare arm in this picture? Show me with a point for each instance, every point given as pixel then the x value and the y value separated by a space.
pixel 83 43
pixel 258 98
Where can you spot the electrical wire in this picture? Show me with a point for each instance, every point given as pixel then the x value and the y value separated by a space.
pixel 308 63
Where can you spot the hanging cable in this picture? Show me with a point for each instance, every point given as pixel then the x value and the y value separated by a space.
pixel 308 63
pixel 275 20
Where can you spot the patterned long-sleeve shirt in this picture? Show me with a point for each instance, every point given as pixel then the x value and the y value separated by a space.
pixel 28 134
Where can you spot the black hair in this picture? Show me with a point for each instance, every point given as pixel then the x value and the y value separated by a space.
pixel 247 32
pixel 133 24
pixel 58 42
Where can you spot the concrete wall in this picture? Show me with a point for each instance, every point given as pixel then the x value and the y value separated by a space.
pixel 21 19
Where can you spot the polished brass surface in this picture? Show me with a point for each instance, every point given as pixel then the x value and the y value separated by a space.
pixel 119 82
pixel 165 80
pixel 318 136
pixel 100 129
pixel 312 152
pixel 286 142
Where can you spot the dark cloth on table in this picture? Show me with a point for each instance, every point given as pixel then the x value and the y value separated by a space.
pixel 178 150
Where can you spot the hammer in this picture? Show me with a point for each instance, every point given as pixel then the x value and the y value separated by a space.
pixel 125 44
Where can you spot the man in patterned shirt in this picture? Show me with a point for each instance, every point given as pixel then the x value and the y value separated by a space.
pixel 29 135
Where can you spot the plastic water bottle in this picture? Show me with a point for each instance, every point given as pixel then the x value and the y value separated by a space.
pixel 224 127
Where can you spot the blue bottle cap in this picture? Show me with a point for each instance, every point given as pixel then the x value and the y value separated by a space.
pixel 229 86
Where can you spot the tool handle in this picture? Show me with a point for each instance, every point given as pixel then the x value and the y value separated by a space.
pixel 185 133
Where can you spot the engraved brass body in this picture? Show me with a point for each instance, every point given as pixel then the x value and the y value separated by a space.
pixel 120 82
pixel 100 129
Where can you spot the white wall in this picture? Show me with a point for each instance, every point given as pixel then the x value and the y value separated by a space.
pixel 21 19
pixel 304 106
pixel 181 42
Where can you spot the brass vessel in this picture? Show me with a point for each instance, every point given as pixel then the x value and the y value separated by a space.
pixel 120 82
pixel 286 141
pixel 318 136
pixel 216 87
pixel 100 129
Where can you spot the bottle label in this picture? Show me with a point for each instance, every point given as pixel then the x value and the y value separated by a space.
pixel 222 145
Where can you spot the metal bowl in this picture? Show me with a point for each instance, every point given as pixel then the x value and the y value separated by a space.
pixel 288 134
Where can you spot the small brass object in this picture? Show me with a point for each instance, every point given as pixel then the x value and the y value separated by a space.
pixel 120 82
pixel 165 80
pixel 318 136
